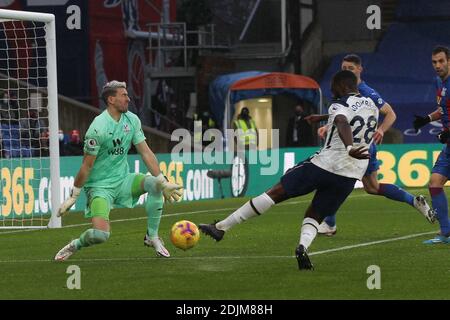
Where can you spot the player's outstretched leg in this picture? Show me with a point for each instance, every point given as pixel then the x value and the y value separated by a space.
pixel 250 209
pixel 154 208
pixel 88 238
pixel 439 201
pixel 393 192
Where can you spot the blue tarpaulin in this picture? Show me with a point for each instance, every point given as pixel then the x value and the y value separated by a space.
pixel 221 89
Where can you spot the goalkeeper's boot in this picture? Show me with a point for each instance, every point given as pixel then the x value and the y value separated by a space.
pixel 302 258
pixel 326 229
pixel 212 231
pixel 439 239
pixel 421 204
pixel 66 252
pixel 158 245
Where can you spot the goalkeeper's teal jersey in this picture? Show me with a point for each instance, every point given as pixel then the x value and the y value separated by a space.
pixel 110 141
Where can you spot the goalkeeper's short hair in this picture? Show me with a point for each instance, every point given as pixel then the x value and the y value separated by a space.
pixel 110 89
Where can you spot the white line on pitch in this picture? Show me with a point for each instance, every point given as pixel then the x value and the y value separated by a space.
pixel 372 243
pixel 231 257
pixel 181 213
pixel 169 215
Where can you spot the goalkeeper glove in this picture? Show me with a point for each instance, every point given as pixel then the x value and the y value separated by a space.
pixel 69 202
pixel 443 136
pixel 171 191
pixel 419 122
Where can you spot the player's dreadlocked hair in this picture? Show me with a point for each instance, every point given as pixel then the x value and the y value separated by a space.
pixel 110 89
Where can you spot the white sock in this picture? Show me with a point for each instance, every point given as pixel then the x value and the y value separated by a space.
pixel 250 209
pixel 308 232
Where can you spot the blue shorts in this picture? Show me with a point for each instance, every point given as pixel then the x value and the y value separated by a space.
pixel 442 165
pixel 306 177
pixel 374 164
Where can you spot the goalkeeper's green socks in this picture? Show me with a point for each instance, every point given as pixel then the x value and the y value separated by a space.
pixel 153 206
pixel 91 237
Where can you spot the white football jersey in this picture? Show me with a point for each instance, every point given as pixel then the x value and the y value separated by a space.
pixel 362 115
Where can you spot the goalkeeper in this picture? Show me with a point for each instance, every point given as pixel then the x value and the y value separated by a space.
pixel 105 176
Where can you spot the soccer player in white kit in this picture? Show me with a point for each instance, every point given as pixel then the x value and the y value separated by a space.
pixel 332 171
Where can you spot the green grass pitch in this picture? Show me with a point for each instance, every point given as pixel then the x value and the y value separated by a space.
pixel 254 261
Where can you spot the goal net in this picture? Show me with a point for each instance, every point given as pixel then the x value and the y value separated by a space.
pixel 29 149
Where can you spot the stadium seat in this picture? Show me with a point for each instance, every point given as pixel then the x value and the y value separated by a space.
pixel 12 143
pixel 408 9
pixel 401 71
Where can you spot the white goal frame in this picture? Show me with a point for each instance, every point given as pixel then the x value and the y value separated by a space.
pixel 52 106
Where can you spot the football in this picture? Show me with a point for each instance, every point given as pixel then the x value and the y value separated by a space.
pixel 184 234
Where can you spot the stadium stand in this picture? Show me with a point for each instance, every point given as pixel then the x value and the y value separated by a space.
pixel 422 9
pixel 11 142
pixel 400 69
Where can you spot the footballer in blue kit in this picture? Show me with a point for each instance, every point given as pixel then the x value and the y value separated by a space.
pixel 441 170
pixel 353 63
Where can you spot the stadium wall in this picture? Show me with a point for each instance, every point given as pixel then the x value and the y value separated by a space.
pixel 25 192
pixel 345 30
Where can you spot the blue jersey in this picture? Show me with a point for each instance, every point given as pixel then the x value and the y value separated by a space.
pixel 368 92
pixel 442 99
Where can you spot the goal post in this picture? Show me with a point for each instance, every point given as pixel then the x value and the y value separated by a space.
pixel 29 158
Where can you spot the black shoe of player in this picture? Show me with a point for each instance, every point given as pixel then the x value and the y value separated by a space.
pixel 212 231
pixel 302 258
